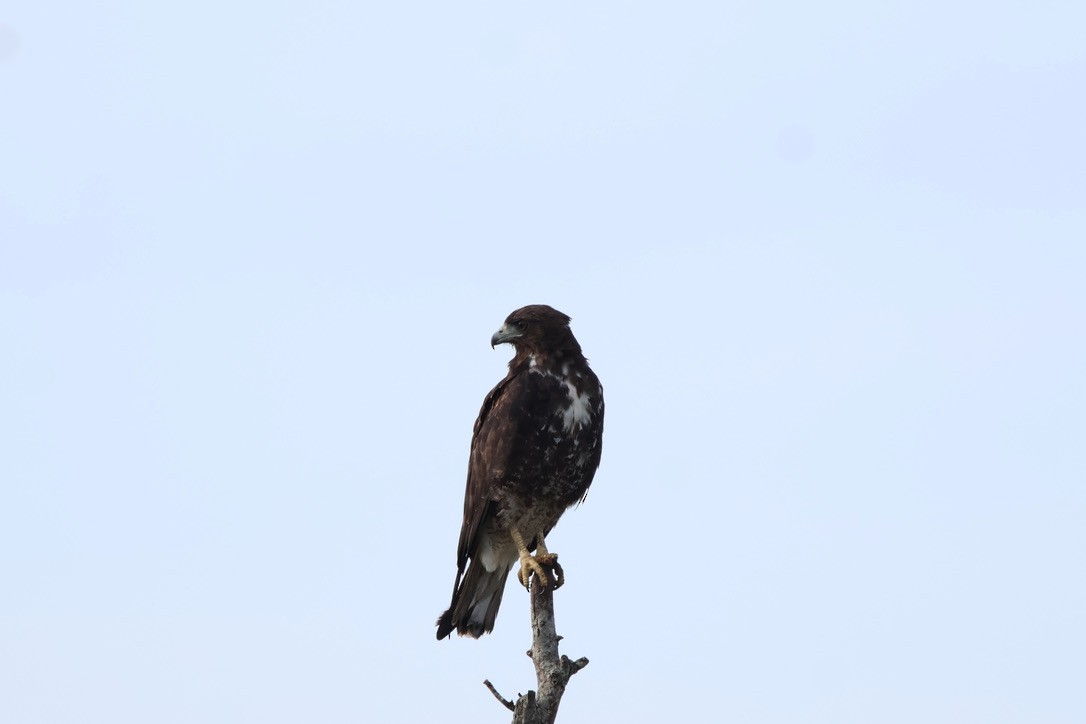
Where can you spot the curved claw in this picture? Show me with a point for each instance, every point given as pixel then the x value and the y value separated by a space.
pixel 550 562
pixel 528 566
pixel 540 565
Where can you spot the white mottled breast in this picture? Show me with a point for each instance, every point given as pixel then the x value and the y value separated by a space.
pixel 579 411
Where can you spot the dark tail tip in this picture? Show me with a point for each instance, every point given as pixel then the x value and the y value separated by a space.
pixel 445 625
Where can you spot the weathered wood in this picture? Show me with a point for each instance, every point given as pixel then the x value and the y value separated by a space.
pixel 553 671
pixel 505 702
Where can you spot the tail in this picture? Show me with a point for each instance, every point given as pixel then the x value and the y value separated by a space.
pixel 475 602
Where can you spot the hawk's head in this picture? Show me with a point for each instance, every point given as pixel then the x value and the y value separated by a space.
pixel 535 328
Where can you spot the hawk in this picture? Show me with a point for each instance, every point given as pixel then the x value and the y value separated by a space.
pixel 535 449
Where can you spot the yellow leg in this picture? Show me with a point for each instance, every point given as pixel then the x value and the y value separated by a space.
pixel 528 562
pixel 549 561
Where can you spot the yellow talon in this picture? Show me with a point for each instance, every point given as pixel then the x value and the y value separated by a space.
pixel 529 565
pixel 538 564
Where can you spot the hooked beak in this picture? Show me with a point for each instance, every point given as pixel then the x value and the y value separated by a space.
pixel 507 333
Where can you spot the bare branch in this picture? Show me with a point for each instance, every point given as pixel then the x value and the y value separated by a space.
pixel 505 702
pixel 552 671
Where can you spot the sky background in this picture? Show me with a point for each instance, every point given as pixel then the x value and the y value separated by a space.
pixel 829 261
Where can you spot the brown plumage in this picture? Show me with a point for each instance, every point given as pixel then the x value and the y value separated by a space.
pixel 535 449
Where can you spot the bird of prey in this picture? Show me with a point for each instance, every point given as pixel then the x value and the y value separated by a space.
pixel 535 449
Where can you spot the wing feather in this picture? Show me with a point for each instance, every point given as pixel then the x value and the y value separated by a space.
pixel 511 417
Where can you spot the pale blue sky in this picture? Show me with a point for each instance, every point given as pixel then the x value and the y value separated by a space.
pixel 828 261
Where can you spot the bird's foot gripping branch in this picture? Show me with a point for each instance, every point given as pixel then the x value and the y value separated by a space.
pixel 548 573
